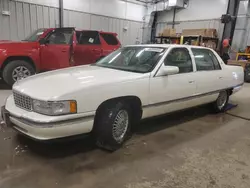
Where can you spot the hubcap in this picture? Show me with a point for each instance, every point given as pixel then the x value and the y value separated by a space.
pixel 120 125
pixel 20 72
pixel 222 99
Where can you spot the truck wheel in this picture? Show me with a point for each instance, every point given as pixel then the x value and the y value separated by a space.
pixel 112 126
pixel 17 70
pixel 221 103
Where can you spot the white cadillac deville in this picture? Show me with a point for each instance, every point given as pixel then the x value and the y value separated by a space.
pixel 111 96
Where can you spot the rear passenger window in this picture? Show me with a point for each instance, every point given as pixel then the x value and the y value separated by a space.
pixel 205 60
pixel 180 58
pixel 110 39
pixel 89 38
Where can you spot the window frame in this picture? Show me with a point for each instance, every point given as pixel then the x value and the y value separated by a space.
pixel 62 30
pixel 92 44
pixel 208 50
pixel 189 53
pixel 110 34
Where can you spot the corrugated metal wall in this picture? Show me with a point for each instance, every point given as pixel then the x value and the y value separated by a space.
pixel 95 22
pixel 25 18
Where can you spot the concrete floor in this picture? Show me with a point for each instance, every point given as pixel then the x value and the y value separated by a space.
pixel 189 149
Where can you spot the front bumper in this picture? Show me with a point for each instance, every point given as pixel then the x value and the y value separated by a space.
pixel 40 128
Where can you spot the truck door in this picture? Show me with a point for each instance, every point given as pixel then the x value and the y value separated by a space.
pixel 57 48
pixel 88 49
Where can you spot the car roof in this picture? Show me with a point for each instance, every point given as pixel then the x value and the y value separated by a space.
pixel 166 46
pixel 104 32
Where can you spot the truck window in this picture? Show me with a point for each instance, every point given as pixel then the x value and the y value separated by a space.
pixel 110 39
pixel 35 35
pixel 89 38
pixel 60 37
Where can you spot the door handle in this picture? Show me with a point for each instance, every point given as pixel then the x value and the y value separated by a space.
pixel 220 77
pixel 64 50
pixel 191 81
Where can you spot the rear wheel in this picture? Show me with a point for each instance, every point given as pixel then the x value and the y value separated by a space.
pixel 221 103
pixel 17 70
pixel 112 126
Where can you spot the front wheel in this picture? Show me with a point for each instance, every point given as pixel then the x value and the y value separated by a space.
pixel 221 103
pixel 112 126
pixel 17 70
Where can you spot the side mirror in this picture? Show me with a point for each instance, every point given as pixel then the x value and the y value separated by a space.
pixel 168 70
pixel 43 41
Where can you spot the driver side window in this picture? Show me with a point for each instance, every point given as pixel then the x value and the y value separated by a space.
pixel 180 58
pixel 59 37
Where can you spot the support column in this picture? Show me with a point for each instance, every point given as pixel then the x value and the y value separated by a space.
pixel 232 9
pixel 60 13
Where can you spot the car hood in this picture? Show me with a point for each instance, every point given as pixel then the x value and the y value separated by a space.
pixel 55 85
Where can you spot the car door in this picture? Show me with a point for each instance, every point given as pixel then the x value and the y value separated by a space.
pixel 88 49
pixel 173 92
pixel 208 70
pixel 56 49
pixel 209 75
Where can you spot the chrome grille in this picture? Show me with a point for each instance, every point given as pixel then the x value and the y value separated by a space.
pixel 22 101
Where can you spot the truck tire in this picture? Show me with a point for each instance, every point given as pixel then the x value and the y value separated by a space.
pixel 112 126
pixel 221 103
pixel 17 70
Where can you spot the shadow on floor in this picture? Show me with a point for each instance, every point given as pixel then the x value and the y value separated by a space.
pixel 4 86
pixel 69 147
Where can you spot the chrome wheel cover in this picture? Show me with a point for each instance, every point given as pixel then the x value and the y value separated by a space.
pixel 120 125
pixel 222 99
pixel 20 72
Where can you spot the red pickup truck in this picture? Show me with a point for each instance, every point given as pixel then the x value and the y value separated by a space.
pixel 54 48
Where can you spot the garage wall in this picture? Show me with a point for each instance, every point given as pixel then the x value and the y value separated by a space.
pixel 199 14
pixel 25 18
pixel 82 14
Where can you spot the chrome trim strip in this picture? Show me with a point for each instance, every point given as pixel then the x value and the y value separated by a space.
pixel 189 97
pixel 52 124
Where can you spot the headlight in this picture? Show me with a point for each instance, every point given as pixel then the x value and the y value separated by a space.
pixel 54 108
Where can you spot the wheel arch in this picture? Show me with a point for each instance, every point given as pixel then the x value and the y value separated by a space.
pixel 24 58
pixel 133 101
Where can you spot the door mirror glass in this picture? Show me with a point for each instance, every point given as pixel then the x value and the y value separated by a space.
pixel 168 70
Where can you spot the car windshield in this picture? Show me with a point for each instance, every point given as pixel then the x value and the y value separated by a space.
pixel 134 59
pixel 35 35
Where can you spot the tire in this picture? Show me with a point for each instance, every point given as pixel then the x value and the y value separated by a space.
pixel 104 129
pixel 221 103
pixel 8 70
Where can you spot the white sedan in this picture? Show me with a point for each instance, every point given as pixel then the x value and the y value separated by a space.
pixel 111 96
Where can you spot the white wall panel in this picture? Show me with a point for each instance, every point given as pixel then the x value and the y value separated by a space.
pixel 39 11
pixel 46 17
pixel 27 23
pixel 5 21
pixel 52 21
pixel 33 19
pixel 197 10
pixel 52 3
pixel 111 8
pixel 20 20
pixel 13 22
pixel 77 5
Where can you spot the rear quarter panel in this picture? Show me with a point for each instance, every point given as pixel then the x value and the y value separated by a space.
pixel 233 75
